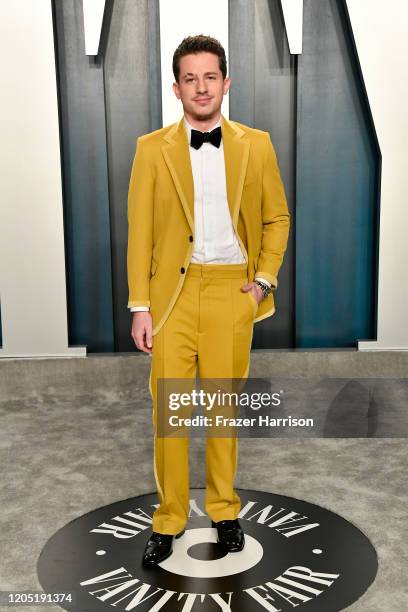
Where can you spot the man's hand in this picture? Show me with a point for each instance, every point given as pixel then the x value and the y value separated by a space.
pixel 255 289
pixel 142 330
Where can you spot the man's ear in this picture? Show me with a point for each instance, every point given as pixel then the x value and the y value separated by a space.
pixel 227 84
pixel 176 90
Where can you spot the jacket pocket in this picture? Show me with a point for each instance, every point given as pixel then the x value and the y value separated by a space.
pixel 253 301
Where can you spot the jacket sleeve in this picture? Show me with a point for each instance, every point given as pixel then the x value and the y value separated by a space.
pixel 140 226
pixel 275 218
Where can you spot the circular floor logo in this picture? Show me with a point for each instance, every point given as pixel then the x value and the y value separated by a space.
pixel 296 555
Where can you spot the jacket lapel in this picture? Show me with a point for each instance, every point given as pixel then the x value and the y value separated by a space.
pixel 177 156
pixel 236 154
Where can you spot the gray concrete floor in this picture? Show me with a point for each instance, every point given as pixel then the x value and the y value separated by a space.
pixel 76 435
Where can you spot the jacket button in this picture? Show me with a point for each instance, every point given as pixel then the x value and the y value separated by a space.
pixel 182 270
pixel 190 238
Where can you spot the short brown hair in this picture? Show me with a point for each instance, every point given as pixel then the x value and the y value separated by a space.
pixel 198 44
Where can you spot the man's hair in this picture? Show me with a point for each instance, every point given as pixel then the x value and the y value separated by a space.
pixel 198 44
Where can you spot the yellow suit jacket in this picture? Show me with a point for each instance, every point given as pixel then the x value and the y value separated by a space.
pixel 161 213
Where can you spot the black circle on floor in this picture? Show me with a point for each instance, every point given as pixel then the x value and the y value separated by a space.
pixel 297 555
pixel 206 551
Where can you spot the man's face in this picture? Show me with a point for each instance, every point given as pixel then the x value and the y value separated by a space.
pixel 201 86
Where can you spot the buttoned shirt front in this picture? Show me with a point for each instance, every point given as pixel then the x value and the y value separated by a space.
pixel 215 241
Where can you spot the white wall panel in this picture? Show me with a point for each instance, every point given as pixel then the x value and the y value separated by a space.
pixel 380 31
pixel 181 18
pixel 32 259
pixel 293 17
pixel 93 11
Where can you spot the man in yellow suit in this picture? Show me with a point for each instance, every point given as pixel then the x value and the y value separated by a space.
pixel 208 229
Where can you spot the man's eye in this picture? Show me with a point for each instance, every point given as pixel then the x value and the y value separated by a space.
pixel 189 80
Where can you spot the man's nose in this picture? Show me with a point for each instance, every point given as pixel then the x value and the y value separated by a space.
pixel 201 86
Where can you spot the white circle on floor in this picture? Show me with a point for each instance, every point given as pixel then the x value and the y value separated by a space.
pixel 181 563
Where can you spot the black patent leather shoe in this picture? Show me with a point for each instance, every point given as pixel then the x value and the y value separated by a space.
pixel 158 547
pixel 230 535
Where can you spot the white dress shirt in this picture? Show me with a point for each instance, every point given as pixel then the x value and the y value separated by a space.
pixel 215 241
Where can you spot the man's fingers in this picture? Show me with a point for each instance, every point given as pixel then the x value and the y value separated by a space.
pixel 249 286
pixel 141 342
pixel 142 331
pixel 148 333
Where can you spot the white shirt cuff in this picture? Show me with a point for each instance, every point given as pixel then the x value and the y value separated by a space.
pixel 263 280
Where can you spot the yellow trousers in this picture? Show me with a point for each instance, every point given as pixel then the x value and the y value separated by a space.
pixel 210 327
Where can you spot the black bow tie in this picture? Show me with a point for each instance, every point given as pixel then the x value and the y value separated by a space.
pixel 214 137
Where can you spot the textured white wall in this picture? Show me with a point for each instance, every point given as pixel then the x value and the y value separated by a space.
pixel 32 260
pixel 381 34
pixel 181 18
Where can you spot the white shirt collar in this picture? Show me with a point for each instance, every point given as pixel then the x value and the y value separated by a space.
pixel 190 127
